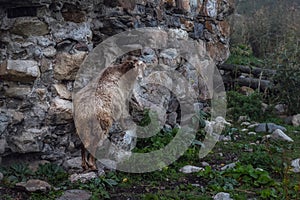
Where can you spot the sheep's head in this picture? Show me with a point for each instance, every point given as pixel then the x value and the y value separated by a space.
pixel 135 66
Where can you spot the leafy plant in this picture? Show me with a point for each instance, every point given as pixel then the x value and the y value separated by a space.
pixel 17 173
pixel 52 173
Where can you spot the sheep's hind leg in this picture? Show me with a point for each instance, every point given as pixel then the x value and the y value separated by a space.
pixel 84 164
pixel 91 162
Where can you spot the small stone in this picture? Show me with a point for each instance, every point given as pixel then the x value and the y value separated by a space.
pixel 245 124
pixel 251 133
pixel 252 126
pixel 222 196
pixel 190 169
pixel 62 91
pixel 169 57
pixel 243 119
pixel 49 52
pixel 83 178
pixel 205 164
pixel 75 195
pixel 171 118
pixel 19 70
pixel 229 166
pixel 296 120
pixel 178 34
pixel 280 109
pixel 74 163
pixel 34 185
pixel 244 130
pixel 1 176
pixel 279 134
pixel 264 107
pixel 296 165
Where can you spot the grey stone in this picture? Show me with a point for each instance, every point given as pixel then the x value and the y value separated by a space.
pixel 172 119
pixel 251 133
pixel 75 195
pixel 73 163
pixel 20 70
pixel 3 121
pixel 190 169
pixel 1 176
pixel 222 196
pixel 268 127
pixel 19 92
pixel 3 145
pixel 34 185
pixel 29 141
pixel 205 164
pixel 83 178
pixel 169 57
pixel 49 52
pixel 296 165
pixel 280 135
pixel 296 120
pixel 229 166
pixel 280 109
pixel 79 32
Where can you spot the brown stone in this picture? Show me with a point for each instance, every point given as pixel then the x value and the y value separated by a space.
pixel 74 16
pixel 30 27
pixel 224 28
pixel 184 5
pixel 209 26
pixel 218 51
pixel 34 185
pixel 246 90
pixel 62 91
pixel 67 65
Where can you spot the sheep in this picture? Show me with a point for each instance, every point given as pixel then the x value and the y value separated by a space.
pixel 101 103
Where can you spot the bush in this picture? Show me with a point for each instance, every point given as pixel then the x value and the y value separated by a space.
pixel 242 105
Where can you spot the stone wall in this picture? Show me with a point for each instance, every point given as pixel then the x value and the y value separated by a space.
pixel 44 42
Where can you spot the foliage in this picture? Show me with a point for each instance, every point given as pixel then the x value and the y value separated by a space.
pixel 242 105
pixel 287 78
pixel 52 173
pixel 243 55
pixel 17 173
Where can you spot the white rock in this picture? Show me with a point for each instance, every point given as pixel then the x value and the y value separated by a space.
pixel 244 130
pixel 253 125
pixel 296 120
pixel 205 164
pixel 252 133
pixel 83 178
pixel 222 196
pixel 229 166
pixel 279 134
pixel 296 165
pixel 49 52
pixel 190 169
pixel 245 123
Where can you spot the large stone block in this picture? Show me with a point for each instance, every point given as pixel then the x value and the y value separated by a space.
pixel 19 70
pixel 30 27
